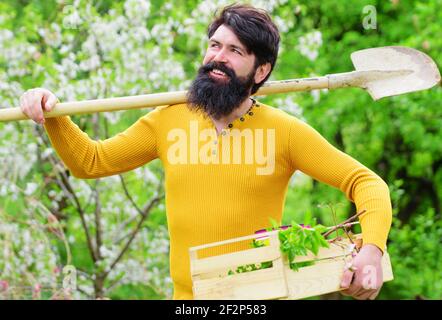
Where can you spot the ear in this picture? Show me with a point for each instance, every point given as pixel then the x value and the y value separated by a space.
pixel 262 72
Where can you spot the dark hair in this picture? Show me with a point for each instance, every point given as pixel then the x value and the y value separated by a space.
pixel 256 31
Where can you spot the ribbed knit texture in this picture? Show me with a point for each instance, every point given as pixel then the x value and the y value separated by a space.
pixel 218 201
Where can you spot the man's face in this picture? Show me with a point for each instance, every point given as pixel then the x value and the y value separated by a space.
pixel 226 77
pixel 224 47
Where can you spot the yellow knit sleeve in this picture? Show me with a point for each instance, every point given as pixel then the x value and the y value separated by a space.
pixel 315 156
pixel 86 158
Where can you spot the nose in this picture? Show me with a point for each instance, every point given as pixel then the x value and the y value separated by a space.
pixel 220 56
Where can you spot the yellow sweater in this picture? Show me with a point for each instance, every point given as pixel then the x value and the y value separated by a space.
pixel 213 190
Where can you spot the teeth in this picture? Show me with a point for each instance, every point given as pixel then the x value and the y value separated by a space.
pixel 218 72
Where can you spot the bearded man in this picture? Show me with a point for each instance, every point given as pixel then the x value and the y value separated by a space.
pixel 213 189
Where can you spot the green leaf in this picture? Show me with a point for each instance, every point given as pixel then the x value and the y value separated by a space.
pixel 274 223
pixel 307 218
pixel 320 228
pixel 315 245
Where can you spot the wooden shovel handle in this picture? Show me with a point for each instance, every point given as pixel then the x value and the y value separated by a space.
pixel 156 99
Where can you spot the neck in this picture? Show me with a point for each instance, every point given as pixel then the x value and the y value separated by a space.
pixel 237 113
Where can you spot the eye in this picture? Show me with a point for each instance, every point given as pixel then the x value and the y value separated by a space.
pixel 237 51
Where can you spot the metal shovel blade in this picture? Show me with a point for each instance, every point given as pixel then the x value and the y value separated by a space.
pixel 422 73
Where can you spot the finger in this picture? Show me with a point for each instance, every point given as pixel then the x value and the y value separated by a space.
pixel 27 107
pixel 353 290
pixel 346 281
pixel 364 294
pixel 30 106
pixel 44 99
pixel 50 102
pixel 345 293
pixel 347 278
pixel 23 105
pixel 26 102
pixel 36 107
pixel 355 285
pixel 374 295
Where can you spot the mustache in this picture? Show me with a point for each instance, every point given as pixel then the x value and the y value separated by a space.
pixel 217 65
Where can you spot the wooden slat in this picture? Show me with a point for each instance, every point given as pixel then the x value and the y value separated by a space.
pixel 334 251
pixel 230 260
pixel 229 241
pixel 256 285
pixel 387 270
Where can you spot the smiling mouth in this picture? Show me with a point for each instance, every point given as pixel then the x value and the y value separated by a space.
pixel 216 73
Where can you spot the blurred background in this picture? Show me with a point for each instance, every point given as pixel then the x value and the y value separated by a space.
pixel 113 231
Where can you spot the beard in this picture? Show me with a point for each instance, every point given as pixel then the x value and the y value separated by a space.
pixel 219 97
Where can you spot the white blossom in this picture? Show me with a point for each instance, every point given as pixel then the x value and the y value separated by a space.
pixel 309 44
pixel 31 187
pixel 137 10
pixel 289 105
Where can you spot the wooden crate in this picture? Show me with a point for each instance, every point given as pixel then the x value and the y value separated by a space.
pixel 213 279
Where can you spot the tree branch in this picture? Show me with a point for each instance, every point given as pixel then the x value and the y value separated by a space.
pixel 153 202
pixel 342 225
pixel 129 197
pixel 63 182
pixel 97 213
pixel 145 214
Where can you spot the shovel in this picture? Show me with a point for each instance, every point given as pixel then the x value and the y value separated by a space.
pixel 383 72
